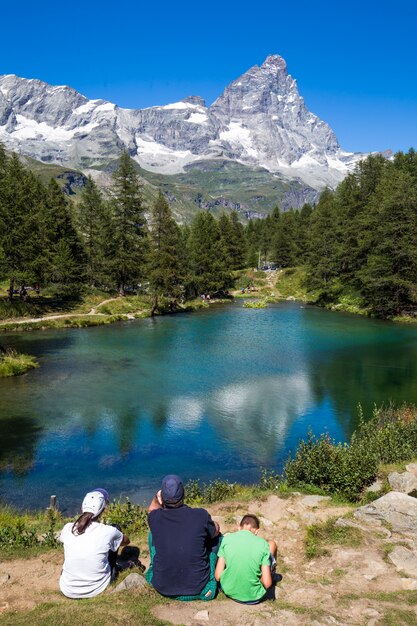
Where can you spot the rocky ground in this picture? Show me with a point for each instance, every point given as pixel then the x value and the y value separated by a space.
pixel 362 568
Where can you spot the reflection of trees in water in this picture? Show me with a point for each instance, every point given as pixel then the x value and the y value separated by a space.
pixel 18 443
pixel 369 375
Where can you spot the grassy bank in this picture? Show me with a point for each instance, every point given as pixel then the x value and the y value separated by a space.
pixel 13 363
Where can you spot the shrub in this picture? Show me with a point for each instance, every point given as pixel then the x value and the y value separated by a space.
pixel 389 436
pixel 18 531
pixel 207 493
pixel 131 518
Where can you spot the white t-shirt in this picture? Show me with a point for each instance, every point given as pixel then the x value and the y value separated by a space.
pixel 86 570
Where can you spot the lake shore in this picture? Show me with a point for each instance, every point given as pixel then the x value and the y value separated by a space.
pixel 267 287
pixel 339 566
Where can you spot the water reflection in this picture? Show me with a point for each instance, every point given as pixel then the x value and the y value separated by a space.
pixel 19 439
pixel 215 394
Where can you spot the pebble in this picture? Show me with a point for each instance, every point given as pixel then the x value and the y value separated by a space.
pixel 204 615
pixel 4 578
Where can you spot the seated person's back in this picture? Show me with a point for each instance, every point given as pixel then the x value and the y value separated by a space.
pixel 244 564
pixel 181 542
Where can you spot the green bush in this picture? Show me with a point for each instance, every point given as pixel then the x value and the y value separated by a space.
pixel 17 531
pixel 215 491
pixel 131 518
pixel 346 469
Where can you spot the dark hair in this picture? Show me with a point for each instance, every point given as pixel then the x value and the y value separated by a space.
pixel 82 523
pixel 250 520
pixel 170 505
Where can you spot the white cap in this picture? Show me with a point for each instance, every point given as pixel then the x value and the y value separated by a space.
pixel 94 502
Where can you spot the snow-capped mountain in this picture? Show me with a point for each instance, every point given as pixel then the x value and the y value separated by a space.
pixel 259 120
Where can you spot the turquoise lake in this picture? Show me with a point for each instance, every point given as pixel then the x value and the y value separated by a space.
pixel 213 394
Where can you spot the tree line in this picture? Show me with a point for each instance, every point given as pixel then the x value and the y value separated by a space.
pixel 360 239
pixel 110 242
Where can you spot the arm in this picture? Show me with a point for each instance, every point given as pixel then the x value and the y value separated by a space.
pixel 266 578
pixel 220 567
pixel 125 541
pixel 156 502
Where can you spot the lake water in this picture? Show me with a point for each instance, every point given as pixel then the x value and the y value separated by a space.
pixel 216 393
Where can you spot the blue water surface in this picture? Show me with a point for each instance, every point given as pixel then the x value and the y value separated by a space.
pixel 213 394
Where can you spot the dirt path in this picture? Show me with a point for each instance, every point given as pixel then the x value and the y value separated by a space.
pixel 91 313
pixel 341 588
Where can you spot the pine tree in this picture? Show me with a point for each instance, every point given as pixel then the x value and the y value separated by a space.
pixel 389 276
pixel 208 256
pixel 16 224
pixel 323 244
pixel 164 264
pixel 93 219
pixel 233 237
pixel 127 252
pixel 284 245
pixel 63 259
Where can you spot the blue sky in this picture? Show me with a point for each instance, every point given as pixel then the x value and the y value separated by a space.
pixel 355 62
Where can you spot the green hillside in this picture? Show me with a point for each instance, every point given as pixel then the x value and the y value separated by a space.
pixel 217 186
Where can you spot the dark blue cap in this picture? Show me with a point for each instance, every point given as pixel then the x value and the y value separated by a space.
pixel 172 490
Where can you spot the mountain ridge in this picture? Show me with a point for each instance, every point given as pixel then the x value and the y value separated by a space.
pixel 259 121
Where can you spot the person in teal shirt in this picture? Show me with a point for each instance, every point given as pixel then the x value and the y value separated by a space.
pixel 245 563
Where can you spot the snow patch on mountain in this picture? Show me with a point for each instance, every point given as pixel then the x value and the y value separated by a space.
pixel 259 120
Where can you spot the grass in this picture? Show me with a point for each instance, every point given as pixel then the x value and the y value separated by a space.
pixel 319 537
pixel 116 609
pixel 290 283
pixel 13 363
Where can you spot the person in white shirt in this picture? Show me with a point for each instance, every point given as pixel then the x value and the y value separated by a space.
pixel 87 544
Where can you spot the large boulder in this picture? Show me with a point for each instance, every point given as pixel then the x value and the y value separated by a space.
pixel 406 482
pixel 399 510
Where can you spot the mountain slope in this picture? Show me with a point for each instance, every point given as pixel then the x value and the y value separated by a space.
pixel 259 121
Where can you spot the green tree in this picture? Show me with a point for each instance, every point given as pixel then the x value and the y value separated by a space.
pixel 127 253
pixel 208 257
pixel 18 236
pixel 93 219
pixel 323 244
pixel 63 258
pixel 389 275
pixel 284 248
pixel 233 237
pixel 165 275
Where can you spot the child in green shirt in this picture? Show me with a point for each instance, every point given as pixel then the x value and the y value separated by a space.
pixel 244 566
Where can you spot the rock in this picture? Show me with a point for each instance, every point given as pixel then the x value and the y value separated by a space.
pixel 314 500
pixel 4 606
pixel 266 522
pixel 396 509
pixel 293 525
pixel 4 578
pixel 412 468
pixel 133 581
pixel 204 615
pixel 375 569
pixel 342 522
pixel 405 482
pixel 409 584
pixel 308 518
pixel 404 560
pixel 375 487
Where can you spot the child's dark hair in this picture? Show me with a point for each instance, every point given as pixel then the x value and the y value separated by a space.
pixel 250 520
pixel 82 523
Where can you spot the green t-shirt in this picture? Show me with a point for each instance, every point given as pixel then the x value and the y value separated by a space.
pixel 244 554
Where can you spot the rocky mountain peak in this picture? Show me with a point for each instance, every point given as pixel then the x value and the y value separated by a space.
pixel 274 62
pixel 197 100
pixel 259 120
